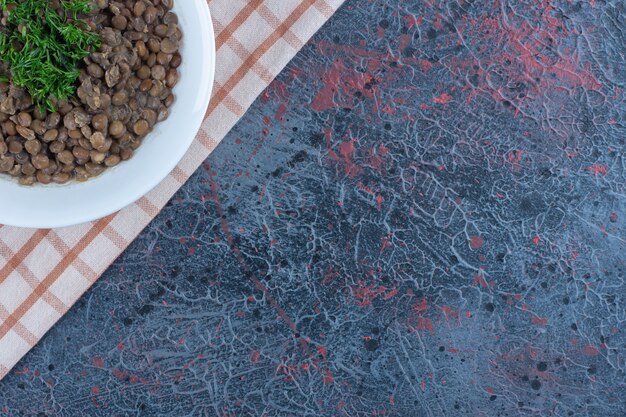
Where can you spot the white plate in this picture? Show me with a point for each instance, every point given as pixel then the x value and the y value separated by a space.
pixel 47 206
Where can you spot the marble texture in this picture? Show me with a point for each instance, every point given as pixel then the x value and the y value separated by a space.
pixel 424 215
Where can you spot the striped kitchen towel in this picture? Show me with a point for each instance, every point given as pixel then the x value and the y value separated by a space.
pixel 44 272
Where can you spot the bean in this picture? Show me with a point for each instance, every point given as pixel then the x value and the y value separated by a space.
pixel 6 163
pixel 66 157
pixel 9 128
pixel 43 178
pixel 93 169
pixel 100 121
pixel 97 157
pixel 80 174
pixel 61 177
pixel 158 72
pixel 170 18
pixel 136 143
pixel 105 146
pixel 95 71
pixel 28 169
pixel 39 113
pixel 52 120
pixel 154 45
pixel 134 82
pixel 97 139
pixel 156 89
pixel 50 135
pixel 172 78
pixel 81 154
pixel 38 127
pixel 126 154
pixel 151 60
pixel 141 127
pixel 22 157
pixel 28 180
pixel 105 101
pixel 112 160
pixel 86 131
pixel 15 146
pixel 140 47
pixel 125 139
pixel 51 169
pixel 115 149
pixel 119 22
pixel 25 132
pixel 169 46
pixel 64 107
pixel 163 58
pixel 75 133
pixel 24 119
pixel 145 86
pixel 56 147
pixel 62 133
pixel 67 168
pixel 16 170
pixel 85 143
pixel 119 98
pixel 150 116
pixel 176 60
pixel 139 9
pixel 160 30
pixel 163 114
pixel 33 147
pixel 150 15
pixel 154 102
pixel 3 147
pixel 135 36
pixel 117 128
pixel 144 72
pixel 142 99
pixel 40 161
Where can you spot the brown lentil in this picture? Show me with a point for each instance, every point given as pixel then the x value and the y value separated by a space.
pixel 141 127
pixel 24 119
pixel 33 147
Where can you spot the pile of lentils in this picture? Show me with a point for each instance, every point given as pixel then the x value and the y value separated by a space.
pixel 125 88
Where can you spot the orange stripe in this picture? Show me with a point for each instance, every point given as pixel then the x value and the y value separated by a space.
pixel 80 265
pixel 240 73
pixel 19 329
pixel 229 103
pixel 3 371
pixel 27 276
pixel 324 8
pixel 205 140
pixel 274 21
pixel 179 175
pixel 237 21
pixel 19 257
pixel 115 237
pixel 147 206
pixel 243 53
pixel 26 305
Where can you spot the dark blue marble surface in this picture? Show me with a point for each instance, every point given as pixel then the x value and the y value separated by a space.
pixel 422 216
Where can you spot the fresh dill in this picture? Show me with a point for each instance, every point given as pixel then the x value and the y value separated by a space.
pixel 43 47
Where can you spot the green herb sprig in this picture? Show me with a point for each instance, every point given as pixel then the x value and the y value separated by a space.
pixel 44 47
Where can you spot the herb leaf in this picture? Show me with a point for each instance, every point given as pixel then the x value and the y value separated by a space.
pixel 44 47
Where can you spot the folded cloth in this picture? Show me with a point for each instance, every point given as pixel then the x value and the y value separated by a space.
pixel 44 272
